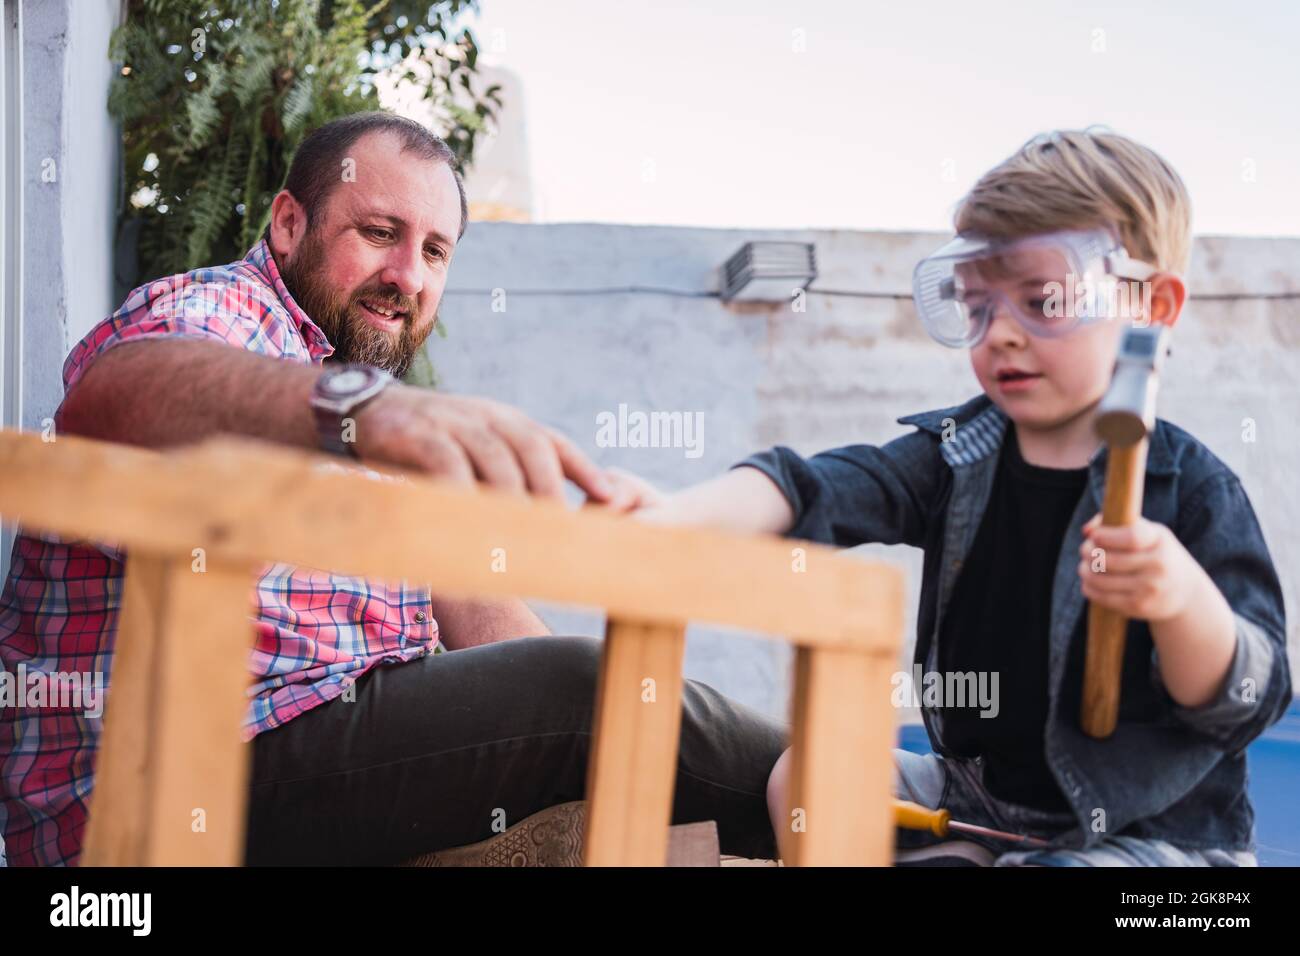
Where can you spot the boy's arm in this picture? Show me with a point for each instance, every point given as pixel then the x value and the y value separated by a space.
pixel 1222 533
pixel 742 500
pixel 1196 647
pixel 843 497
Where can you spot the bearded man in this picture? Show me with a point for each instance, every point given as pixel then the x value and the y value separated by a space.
pixel 368 747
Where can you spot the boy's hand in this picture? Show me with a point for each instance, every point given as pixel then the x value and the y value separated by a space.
pixel 630 492
pixel 742 500
pixel 1140 570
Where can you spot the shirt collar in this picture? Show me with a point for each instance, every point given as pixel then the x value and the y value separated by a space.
pixel 973 431
pixel 261 259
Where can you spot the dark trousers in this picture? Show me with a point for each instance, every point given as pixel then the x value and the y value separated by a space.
pixel 432 752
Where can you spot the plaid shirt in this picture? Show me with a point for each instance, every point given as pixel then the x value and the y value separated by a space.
pixel 316 633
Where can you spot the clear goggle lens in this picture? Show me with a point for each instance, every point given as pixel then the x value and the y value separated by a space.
pixel 1050 285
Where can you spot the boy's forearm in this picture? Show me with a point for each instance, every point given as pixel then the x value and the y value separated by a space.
pixel 1196 647
pixel 743 500
pixel 164 392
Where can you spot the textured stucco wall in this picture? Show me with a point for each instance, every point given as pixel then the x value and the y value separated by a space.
pixel 68 221
pixel 70 171
pixel 69 196
pixel 840 372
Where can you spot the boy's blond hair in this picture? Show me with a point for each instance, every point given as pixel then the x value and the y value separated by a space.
pixel 1081 179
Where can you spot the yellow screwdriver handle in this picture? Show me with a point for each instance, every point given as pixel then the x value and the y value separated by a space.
pixel 913 816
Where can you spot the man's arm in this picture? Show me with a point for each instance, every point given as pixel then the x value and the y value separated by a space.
pixel 466 623
pixel 163 392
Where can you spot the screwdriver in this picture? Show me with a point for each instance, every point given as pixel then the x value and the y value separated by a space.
pixel 913 816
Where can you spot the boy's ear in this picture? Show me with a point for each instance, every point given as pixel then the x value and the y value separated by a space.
pixel 1168 293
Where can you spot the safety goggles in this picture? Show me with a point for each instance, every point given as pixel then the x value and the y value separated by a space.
pixel 1050 284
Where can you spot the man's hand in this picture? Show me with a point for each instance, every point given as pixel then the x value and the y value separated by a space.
pixel 1140 570
pixel 461 438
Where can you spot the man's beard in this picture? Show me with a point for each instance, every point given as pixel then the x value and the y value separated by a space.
pixel 338 315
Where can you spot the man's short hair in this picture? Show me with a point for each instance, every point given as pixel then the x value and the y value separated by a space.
pixel 1081 179
pixel 318 161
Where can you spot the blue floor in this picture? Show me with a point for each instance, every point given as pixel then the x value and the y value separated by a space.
pixel 1273 763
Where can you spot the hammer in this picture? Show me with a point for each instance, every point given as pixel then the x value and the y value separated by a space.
pixel 1125 420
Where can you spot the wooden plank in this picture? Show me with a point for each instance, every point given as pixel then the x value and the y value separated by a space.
pixel 215 495
pixel 841 766
pixel 119 802
pixel 632 769
pixel 177 794
pixel 203 765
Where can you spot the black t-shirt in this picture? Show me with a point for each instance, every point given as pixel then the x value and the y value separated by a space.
pixel 998 621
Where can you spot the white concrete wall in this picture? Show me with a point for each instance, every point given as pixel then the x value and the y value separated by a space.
pixel 841 372
pixel 71 174
pixel 68 222
pixel 69 196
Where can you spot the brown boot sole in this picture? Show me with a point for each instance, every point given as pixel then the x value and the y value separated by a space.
pixel 550 837
pixel 553 837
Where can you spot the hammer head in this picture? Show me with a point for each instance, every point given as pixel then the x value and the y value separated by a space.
pixel 1127 413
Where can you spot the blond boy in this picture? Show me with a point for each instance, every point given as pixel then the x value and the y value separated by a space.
pixel 1061 250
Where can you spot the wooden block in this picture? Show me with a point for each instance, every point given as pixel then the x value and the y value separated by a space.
pixel 632 769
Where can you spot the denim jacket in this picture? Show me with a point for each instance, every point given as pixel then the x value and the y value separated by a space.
pixel 1168 772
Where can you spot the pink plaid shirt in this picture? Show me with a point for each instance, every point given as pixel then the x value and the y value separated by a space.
pixel 316 633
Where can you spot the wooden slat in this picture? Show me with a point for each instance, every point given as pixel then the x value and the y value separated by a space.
pixel 632 768
pixel 119 807
pixel 182 659
pixel 841 774
pixel 215 496
pixel 203 763
pixel 847 615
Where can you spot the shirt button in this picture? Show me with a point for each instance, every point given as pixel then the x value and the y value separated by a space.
pixel 419 617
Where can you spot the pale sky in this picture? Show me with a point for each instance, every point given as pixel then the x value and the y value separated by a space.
pixel 706 113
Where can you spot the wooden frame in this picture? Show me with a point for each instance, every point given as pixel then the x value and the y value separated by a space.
pixel 170 752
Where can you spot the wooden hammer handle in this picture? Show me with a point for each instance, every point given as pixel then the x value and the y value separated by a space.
pixel 1125 471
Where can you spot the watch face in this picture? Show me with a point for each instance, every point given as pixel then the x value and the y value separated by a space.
pixel 347 381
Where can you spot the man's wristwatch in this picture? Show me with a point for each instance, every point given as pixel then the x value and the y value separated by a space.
pixel 338 395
